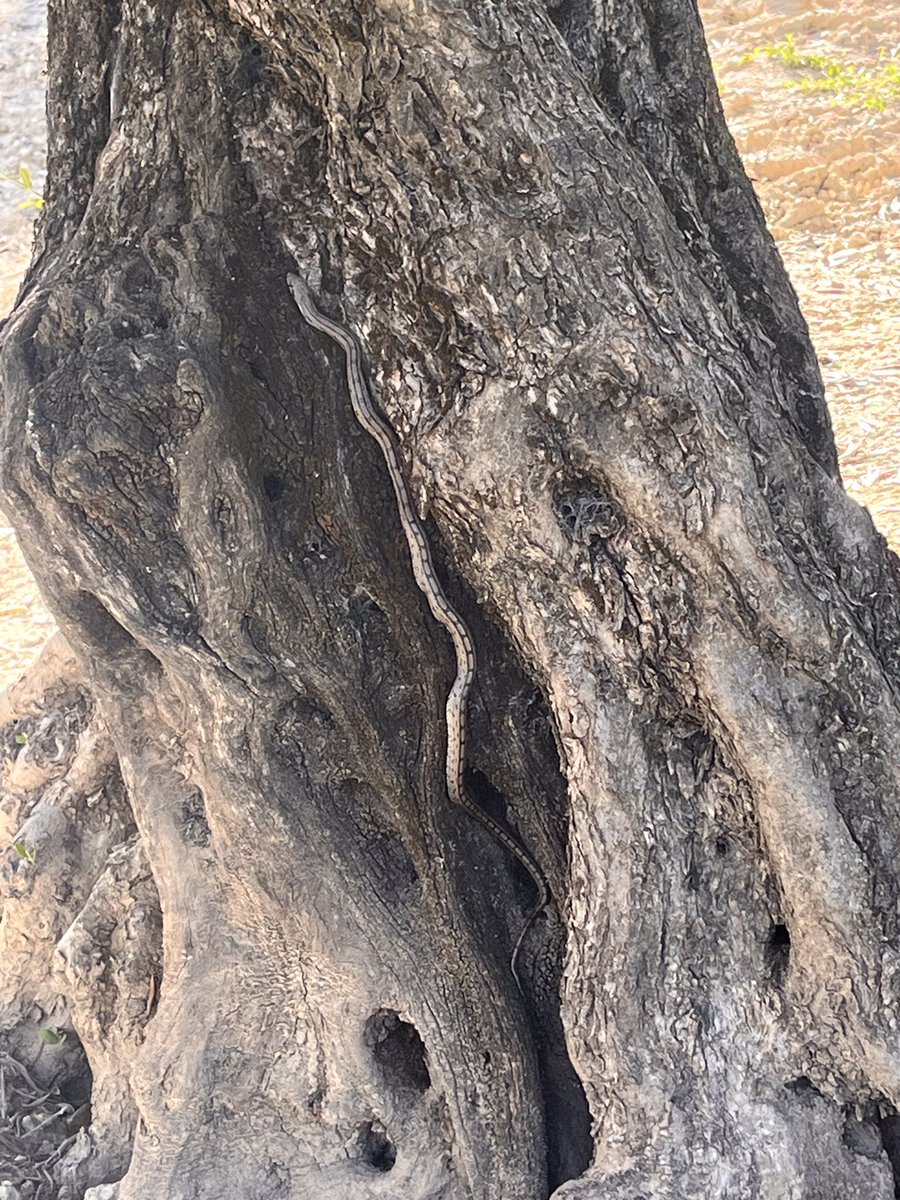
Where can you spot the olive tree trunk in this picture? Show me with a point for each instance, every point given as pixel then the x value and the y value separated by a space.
pixel 613 425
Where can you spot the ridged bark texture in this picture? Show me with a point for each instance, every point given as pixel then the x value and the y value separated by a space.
pixel 611 415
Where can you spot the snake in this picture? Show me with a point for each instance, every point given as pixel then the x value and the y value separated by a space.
pixel 376 425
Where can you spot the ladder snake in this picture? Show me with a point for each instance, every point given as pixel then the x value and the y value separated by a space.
pixel 372 421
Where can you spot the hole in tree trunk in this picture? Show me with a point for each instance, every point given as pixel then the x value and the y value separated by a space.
pixel 398 1050
pixel 376 1147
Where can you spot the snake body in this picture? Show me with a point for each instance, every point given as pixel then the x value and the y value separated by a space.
pixel 371 419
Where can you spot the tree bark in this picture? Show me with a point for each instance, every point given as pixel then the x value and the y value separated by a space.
pixel 611 415
pixel 79 939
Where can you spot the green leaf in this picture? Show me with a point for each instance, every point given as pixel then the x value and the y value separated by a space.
pixel 50 1038
pixel 25 851
pixel 25 178
pixel 21 739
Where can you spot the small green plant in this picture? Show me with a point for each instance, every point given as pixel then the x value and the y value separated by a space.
pixel 51 1038
pixel 25 851
pixel 21 739
pixel 849 84
pixel 24 181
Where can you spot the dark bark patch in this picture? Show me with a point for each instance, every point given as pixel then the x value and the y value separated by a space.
pixel 100 625
pixel 778 954
pixel 862 1135
pixel 370 622
pixel 570 1146
pixel 273 486
pixel 398 1050
pixel 890 1138
pixel 491 801
pixel 194 825
pixel 586 512
pixel 803 1087
pixel 367 834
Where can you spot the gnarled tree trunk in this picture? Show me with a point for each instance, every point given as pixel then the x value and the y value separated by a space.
pixel 612 419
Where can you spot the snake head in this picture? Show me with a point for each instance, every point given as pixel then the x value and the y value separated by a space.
pixel 299 290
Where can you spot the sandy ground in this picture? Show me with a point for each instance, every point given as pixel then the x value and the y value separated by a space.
pixel 828 176
pixel 827 173
pixel 24 622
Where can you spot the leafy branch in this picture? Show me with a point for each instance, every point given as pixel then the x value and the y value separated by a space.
pixel 24 181
pixel 850 84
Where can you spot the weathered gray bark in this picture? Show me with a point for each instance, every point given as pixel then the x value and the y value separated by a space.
pixel 79 939
pixel 687 633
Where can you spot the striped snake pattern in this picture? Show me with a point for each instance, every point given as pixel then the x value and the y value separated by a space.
pixel 369 417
